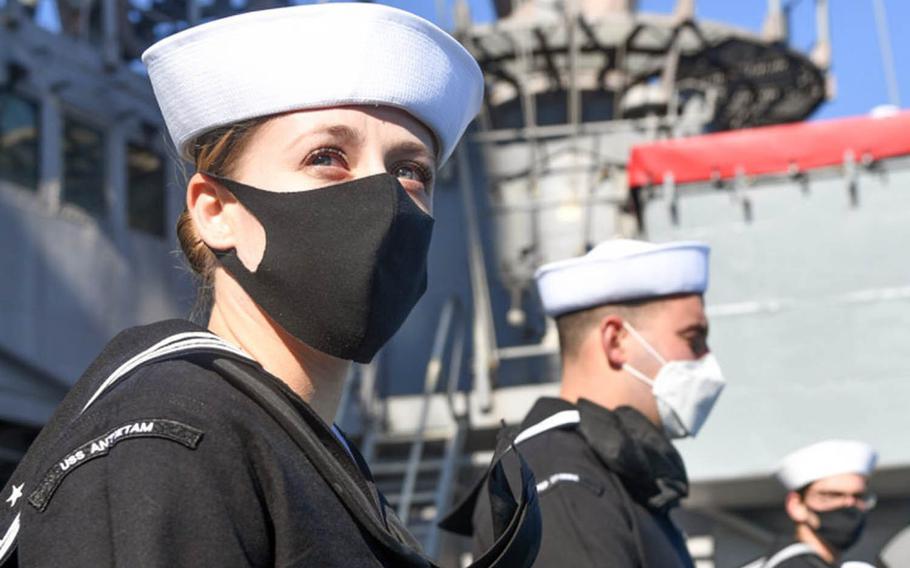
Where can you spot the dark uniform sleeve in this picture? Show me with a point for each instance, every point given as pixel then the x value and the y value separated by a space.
pixel 152 501
pixel 584 525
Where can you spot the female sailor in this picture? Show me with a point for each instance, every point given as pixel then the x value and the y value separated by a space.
pixel 315 132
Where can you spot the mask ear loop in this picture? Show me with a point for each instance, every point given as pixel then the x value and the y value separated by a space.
pixel 632 370
pixel 638 375
pixel 634 332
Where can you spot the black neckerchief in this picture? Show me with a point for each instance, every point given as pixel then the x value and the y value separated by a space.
pixel 626 442
pixel 631 446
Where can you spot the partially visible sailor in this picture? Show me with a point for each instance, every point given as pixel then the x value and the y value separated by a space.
pixel 827 500
pixel 636 373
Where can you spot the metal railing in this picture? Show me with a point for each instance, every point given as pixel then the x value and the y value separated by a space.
pixel 451 325
pixel 483 332
pixel 454 445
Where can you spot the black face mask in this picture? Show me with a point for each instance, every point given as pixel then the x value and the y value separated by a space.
pixel 343 265
pixel 840 528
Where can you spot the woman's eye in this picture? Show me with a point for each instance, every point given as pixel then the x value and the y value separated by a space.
pixel 411 171
pixel 326 157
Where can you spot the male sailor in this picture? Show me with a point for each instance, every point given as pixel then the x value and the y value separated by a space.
pixel 636 374
pixel 827 500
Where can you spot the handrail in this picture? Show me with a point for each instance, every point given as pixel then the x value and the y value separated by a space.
pixel 483 332
pixel 455 362
pixel 446 486
pixel 451 321
pixel 451 460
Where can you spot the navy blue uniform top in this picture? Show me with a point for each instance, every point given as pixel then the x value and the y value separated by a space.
pixel 171 466
pixel 607 481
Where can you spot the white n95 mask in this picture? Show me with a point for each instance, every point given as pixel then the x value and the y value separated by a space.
pixel 685 391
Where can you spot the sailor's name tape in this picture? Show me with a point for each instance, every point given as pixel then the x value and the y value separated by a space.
pixel 163 428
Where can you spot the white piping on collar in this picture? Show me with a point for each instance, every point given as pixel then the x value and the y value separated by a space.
pixel 788 552
pixel 558 420
pixel 9 538
pixel 201 341
pixel 167 347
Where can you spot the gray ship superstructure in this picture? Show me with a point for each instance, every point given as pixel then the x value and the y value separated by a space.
pixel 808 300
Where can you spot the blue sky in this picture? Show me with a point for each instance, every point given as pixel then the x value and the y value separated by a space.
pixel 856 59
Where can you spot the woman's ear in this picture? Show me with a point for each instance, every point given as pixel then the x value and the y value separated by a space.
pixel 205 201
pixel 611 332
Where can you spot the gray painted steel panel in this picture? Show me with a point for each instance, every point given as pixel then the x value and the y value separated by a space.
pixel 70 283
pixel 810 318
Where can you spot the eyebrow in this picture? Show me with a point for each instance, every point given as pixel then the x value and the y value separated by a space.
pixel 700 327
pixel 347 135
pixel 344 134
pixel 411 147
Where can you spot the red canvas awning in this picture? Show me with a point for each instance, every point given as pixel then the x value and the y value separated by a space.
pixel 770 150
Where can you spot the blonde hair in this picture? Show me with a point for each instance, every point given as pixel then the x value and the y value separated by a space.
pixel 216 152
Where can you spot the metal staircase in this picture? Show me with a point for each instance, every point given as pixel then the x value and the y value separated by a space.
pixel 422 492
pixel 416 471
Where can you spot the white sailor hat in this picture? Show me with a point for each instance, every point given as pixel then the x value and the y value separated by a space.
pixel 824 459
pixel 313 56
pixel 622 270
